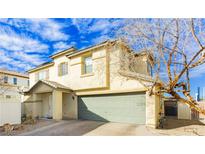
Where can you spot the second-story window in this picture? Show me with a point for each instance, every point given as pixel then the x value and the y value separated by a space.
pixel 15 81
pixel 5 79
pixel 88 65
pixel 62 69
pixel 42 75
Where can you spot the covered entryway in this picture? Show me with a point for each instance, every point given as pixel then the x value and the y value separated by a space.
pixel 125 108
pixel 45 99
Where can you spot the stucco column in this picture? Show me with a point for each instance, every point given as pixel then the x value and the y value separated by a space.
pixel 57 102
pixel 152 110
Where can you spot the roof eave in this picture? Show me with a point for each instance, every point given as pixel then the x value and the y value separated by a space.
pixel 87 49
pixel 62 52
pixel 40 67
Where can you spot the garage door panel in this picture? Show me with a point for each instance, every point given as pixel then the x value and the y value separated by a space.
pixel 128 108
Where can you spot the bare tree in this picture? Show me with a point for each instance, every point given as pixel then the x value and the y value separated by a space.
pixel 175 48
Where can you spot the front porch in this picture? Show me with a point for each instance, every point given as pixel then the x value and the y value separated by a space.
pixel 48 99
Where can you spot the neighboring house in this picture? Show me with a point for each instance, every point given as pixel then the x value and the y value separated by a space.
pixel 86 84
pixel 175 109
pixel 11 83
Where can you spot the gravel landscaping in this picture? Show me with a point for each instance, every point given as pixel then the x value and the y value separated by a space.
pixel 28 127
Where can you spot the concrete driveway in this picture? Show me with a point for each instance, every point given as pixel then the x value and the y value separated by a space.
pixel 91 128
pixel 172 127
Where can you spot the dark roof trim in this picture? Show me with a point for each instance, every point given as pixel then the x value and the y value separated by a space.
pixel 13 73
pixel 44 65
pixel 88 49
pixel 62 52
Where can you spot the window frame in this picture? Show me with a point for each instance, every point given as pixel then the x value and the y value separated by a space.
pixel 63 69
pixel 6 79
pixel 15 81
pixel 84 69
pixel 45 76
pixel 42 75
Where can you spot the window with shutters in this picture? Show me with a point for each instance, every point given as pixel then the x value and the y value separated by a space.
pixel 63 69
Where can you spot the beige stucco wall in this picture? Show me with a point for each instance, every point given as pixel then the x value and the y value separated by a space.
pixel 70 108
pixel 34 109
pixel 153 109
pixel 46 105
pixel 184 112
pixel 74 78
pixel 105 72
pixel 202 106
pixel 38 102
pixel 57 104
pixel 117 81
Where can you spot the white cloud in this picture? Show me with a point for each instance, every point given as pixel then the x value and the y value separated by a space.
pixel 87 25
pixel 61 46
pixel 12 41
pixel 100 39
pixel 198 71
pixel 19 60
pixel 46 28
pixel 20 51
pixel 33 59
pixel 105 27
pixel 82 24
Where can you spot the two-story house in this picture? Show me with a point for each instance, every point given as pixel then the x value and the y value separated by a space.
pixel 86 84
pixel 10 85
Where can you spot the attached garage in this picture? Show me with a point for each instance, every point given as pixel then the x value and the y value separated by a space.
pixel 124 108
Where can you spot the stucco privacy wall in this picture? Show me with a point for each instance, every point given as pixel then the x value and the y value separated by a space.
pixel 10 113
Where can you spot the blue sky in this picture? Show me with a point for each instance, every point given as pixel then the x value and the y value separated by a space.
pixel 25 43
